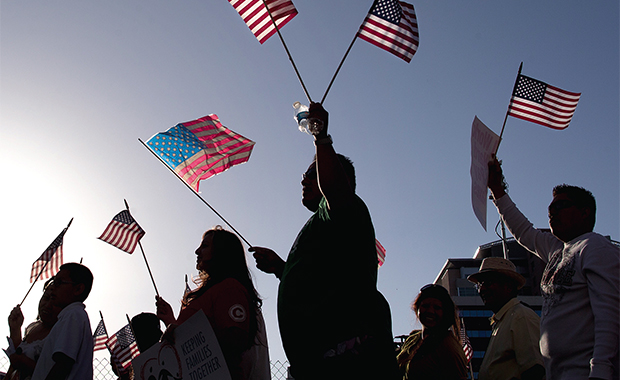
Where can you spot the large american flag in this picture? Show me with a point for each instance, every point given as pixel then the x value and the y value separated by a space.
pixel 256 16
pixel 123 346
pixel 392 26
pixel 48 264
pixel 467 348
pixel 100 337
pixel 543 104
pixel 123 232
pixel 199 149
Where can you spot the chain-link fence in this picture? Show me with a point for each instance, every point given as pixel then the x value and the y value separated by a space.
pixel 103 371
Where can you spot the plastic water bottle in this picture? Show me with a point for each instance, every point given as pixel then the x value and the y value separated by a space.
pixel 301 116
pixel 311 126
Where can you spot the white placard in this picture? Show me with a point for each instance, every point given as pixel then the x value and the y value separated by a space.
pixel 196 355
pixel 483 144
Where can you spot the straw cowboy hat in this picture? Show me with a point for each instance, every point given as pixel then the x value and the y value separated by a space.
pixel 497 265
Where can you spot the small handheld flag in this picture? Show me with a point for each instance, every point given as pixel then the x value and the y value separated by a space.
pixel 540 103
pixel 199 149
pixel 123 232
pixel 123 346
pixel 48 264
pixel 257 17
pixel 100 336
pixel 392 25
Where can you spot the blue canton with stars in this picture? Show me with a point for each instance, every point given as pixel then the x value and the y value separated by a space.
pixel 175 145
pixel 389 10
pixel 530 89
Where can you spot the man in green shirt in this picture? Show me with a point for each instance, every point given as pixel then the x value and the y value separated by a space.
pixel 333 321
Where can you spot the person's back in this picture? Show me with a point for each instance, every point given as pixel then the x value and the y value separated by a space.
pixel 68 349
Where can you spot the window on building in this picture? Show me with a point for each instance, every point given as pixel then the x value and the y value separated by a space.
pixel 467 292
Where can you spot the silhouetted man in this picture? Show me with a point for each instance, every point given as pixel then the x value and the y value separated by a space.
pixel 580 285
pixel 333 322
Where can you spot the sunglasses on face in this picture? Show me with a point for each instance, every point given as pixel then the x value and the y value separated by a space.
pixel 560 205
pixel 56 282
pixel 310 174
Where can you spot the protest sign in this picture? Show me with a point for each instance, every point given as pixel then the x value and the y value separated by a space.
pixel 195 355
pixel 483 144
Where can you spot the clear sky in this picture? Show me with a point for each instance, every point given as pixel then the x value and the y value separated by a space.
pixel 81 81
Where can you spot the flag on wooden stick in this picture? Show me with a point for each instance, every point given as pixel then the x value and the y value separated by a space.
pixel 48 264
pixel 256 16
pixel 199 149
pixel 392 25
pixel 540 103
pixel 123 232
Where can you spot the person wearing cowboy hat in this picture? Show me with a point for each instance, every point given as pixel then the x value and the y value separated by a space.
pixel 513 351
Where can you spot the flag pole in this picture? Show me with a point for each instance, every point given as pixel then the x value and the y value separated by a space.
pixel 508 111
pixel 339 66
pixel 44 266
pixel 195 192
pixel 290 57
pixel 143 255
pixel 103 322
pixel 342 61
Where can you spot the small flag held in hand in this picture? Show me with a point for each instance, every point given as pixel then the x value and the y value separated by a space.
pixel 123 232
pixel 256 16
pixel 392 25
pixel 123 346
pixel 540 103
pixel 199 149
pixel 100 337
pixel 48 264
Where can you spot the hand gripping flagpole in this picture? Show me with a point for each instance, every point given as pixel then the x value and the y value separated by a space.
pixel 143 255
pixel 195 192
pixel 508 111
pixel 290 57
pixel 44 266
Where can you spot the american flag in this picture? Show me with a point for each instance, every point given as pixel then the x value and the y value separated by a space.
pixel 199 149
pixel 100 337
pixel 123 346
pixel 48 264
pixel 380 252
pixel 538 102
pixel 256 16
pixel 467 349
pixel 123 232
pixel 392 26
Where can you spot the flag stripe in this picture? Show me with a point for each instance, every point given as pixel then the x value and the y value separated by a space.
pixel 380 252
pixel 400 39
pixel 256 17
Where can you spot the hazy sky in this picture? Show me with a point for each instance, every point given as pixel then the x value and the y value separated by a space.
pixel 81 81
